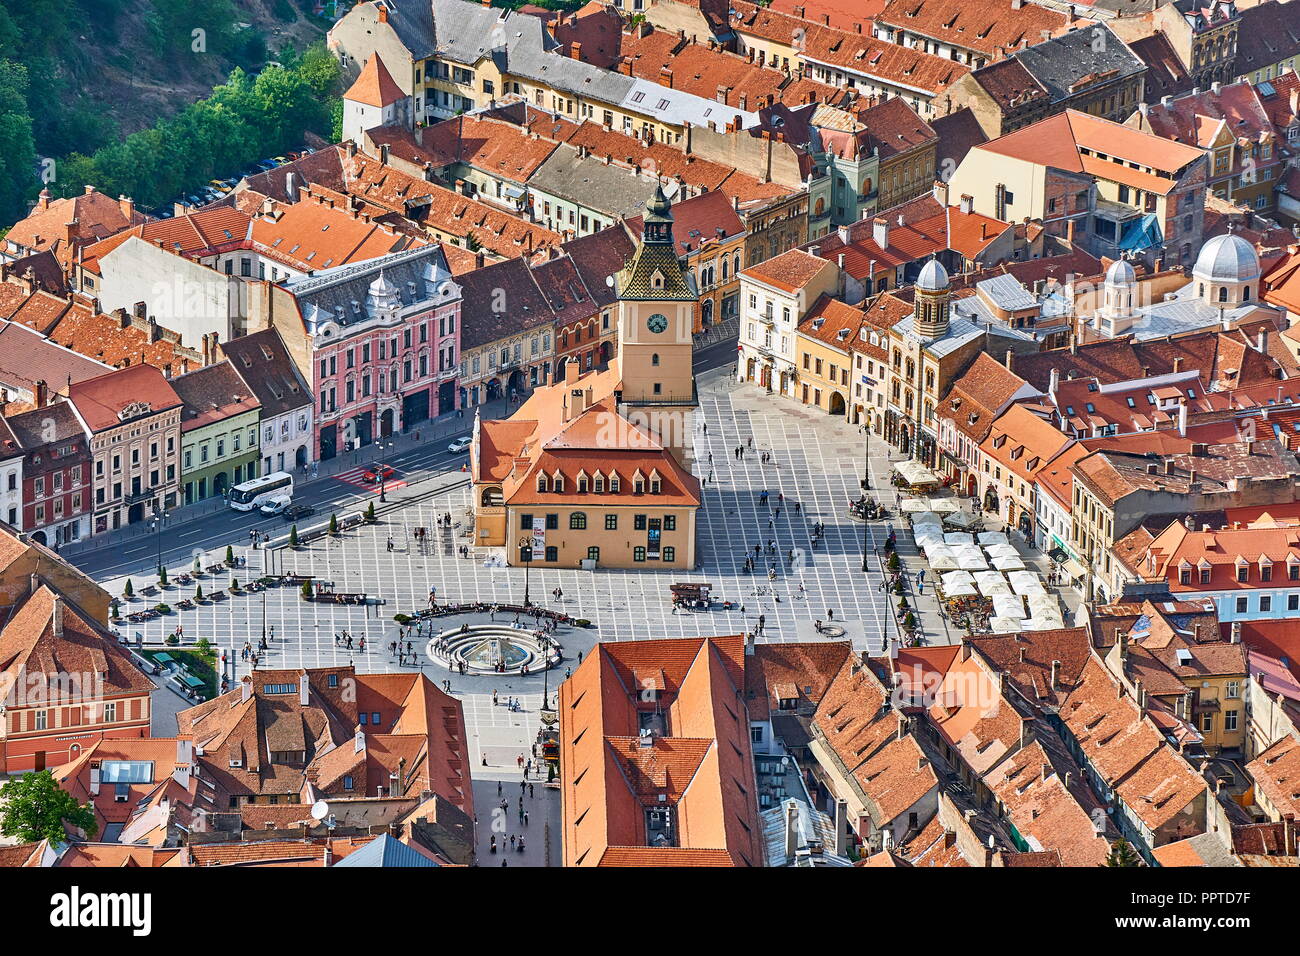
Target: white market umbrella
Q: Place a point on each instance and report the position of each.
(959, 537)
(944, 505)
(910, 505)
(943, 562)
(957, 579)
(1009, 605)
(960, 519)
(970, 559)
(991, 583)
(1005, 625)
(1001, 551)
(1008, 564)
(987, 538)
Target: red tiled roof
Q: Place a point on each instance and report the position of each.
(375, 86)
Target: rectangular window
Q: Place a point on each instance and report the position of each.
(638, 522)
(670, 554)
(670, 522)
(638, 554)
(611, 522)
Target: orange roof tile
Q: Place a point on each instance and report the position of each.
(375, 86)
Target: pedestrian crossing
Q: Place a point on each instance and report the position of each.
(356, 478)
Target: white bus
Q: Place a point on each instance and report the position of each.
(255, 493)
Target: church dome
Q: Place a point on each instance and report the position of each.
(1120, 273)
(1227, 258)
(933, 277)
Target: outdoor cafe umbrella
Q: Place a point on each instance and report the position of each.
(987, 538)
(909, 505)
(961, 519)
(1008, 564)
(944, 505)
(1026, 582)
(915, 473)
(1009, 605)
(992, 582)
(958, 537)
(1000, 550)
(958, 584)
(942, 560)
(1005, 625)
(969, 558)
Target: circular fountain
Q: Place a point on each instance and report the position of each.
(492, 649)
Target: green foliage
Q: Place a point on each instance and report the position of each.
(293, 536)
(370, 511)
(203, 646)
(1121, 854)
(334, 524)
(402, 618)
(909, 620)
(162, 574)
(129, 589)
(171, 639)
(230, 555)
(306, 590)
(33, 807)
(198, 593)
(17, 144)
(893, 562)
(163, 608)
(234, 584)
(243, 120)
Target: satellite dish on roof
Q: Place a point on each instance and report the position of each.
(609, 281)
(320, 810)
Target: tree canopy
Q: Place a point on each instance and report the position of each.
(34, 807)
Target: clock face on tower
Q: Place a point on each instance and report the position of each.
(657, 322)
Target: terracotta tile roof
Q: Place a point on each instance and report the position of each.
(1166, 75)
(1130, 755)
(1023, 442)
(1221, 551)
(698, 765)
(1199, 118)
(105, 338)
(832, 322)
(1276, 773)
(805, 668)
(1027, 660)
(22, 854)
(1048, 813)
(700, 221)
(374, 85)
(790, 271)
(682, 64)
(841, 14)
(194, 234)
(58, 224)
(98, 400)
(117, 855)
(435, 207)
(30, 645)
(275, 852)
(851, 51)
(935, 845)
(27, 358)
(495, 146)
(267, 369)
(1060, 141)
(212, 394)
(591, 33)
(989, 27)
(320, 231)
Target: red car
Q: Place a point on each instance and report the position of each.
(377, 473)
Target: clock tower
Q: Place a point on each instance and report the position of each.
(656, 308)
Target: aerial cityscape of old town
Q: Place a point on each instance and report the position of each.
(649, 433)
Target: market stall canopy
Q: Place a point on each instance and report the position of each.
(910, 505)
(1008, 564)
(959, 537)
(944, 505)
(960, 519)
(987, 538)
(915, 473)
(1026, 582)
(1001, 551)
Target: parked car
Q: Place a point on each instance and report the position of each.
(460, 445)
(377, 473)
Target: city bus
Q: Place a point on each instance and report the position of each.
(255, 493)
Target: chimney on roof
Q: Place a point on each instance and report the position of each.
(358, 740)
(304, 688)
(382, 12)
(383, 154)
(1008, 359)
(902, 727)
(666, 78)
(42, 393)
(1056, 675)
(1261, 341)
(184, 762)
(880, 232)
(245, 690)
(127, 205)
(1235, 633)
(841, 827)
(791, 830)
(56, 618)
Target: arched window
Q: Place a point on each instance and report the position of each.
(578, 521)
(1223, 294)
(541, 483)
(654, 359)
(1246, 294)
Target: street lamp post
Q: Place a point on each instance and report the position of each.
(158, 520)
(380, 446)
(866, 484)
(526, 555)
(545, 643)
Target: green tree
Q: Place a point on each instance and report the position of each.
(128, 590)
(306, 590)
(1122, 854)
(17, 143)
(162, 574)
(370, 511)
(198, 593)
(33, 807)
(334, 524)
(230, 555)
(293, 536)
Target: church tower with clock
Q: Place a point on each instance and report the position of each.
(656, 307)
